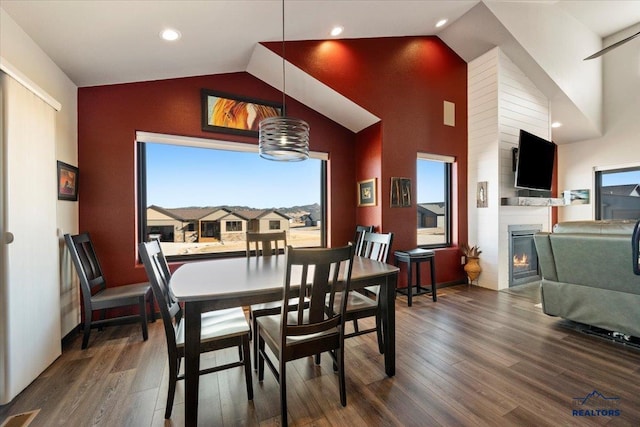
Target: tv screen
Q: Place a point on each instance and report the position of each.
(534, 166)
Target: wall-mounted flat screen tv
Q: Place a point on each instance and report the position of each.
(534, 163)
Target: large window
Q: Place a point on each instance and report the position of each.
(618, 193)
(434, 200)
(199, 197)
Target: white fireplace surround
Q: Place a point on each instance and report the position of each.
(501, 101)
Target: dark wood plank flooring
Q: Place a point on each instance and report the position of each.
(475, 358)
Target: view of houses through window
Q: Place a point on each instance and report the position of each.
(201, 200)
(433, 197)
(618, 194)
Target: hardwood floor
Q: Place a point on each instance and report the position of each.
(474, 358)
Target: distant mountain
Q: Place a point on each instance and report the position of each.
(296, 211)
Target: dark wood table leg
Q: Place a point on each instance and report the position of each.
(433, 278)
(388, 307)
(193, 324)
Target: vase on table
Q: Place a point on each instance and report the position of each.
(472, 268)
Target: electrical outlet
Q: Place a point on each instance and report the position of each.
(462, 260)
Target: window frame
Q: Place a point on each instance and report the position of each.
(233, 226)
(142, 138)
(448, 162)
(274, 224)
(598, 172)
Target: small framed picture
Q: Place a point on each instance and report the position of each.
(67, 182)
(481, 195)
(400, 192)
(576, 197)
(367, 192)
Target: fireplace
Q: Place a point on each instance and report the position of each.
(523, 258)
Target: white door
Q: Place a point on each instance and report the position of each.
(29, 295)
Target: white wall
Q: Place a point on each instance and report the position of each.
(557, 42)
(483, 160)
(501, 101)
(620, 144)
(21, 51)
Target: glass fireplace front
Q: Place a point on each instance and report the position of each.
(523, 258)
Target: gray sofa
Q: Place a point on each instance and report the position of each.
(588, 274)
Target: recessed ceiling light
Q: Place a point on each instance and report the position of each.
(170, 34)
(556, 124)
(337, 30)
(441, 22)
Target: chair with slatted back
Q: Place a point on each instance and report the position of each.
(220, 329)
(265, 244)
(359, 306)
(360, 230)
(304, 332)
(96, 296)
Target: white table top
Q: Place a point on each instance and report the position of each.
(232, 278)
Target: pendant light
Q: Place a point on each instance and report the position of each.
(283, 138)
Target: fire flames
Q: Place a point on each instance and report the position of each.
(521, 262)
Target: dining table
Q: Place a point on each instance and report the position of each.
(221, 283)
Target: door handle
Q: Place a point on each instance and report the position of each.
(8, 237)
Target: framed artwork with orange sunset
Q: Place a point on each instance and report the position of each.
(227, 113)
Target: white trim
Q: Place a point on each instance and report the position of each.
(614, 167)
(161, 138)
(436, 157)
(25, 81)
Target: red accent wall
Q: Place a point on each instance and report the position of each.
(404, 81)
(108, 118)
(368, 165)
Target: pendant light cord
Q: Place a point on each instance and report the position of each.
(283, 67)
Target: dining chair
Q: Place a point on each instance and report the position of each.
(96, 296)
(268, 247)
(304, 332)
(360, 230)
(375, 246)
(220, 329)
(265, 243)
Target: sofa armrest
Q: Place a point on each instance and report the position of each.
(545, 256)
(635, 250)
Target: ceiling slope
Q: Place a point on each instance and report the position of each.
(267, 66)
(547, 44)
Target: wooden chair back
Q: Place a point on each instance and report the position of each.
(376, 246)
(321, 270)
(159, 275)
(265, 244)
(360, 230)
(87, 265)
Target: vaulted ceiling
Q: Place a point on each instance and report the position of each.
(106, 42)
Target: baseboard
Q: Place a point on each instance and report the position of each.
(453, 283)
(66, 340)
